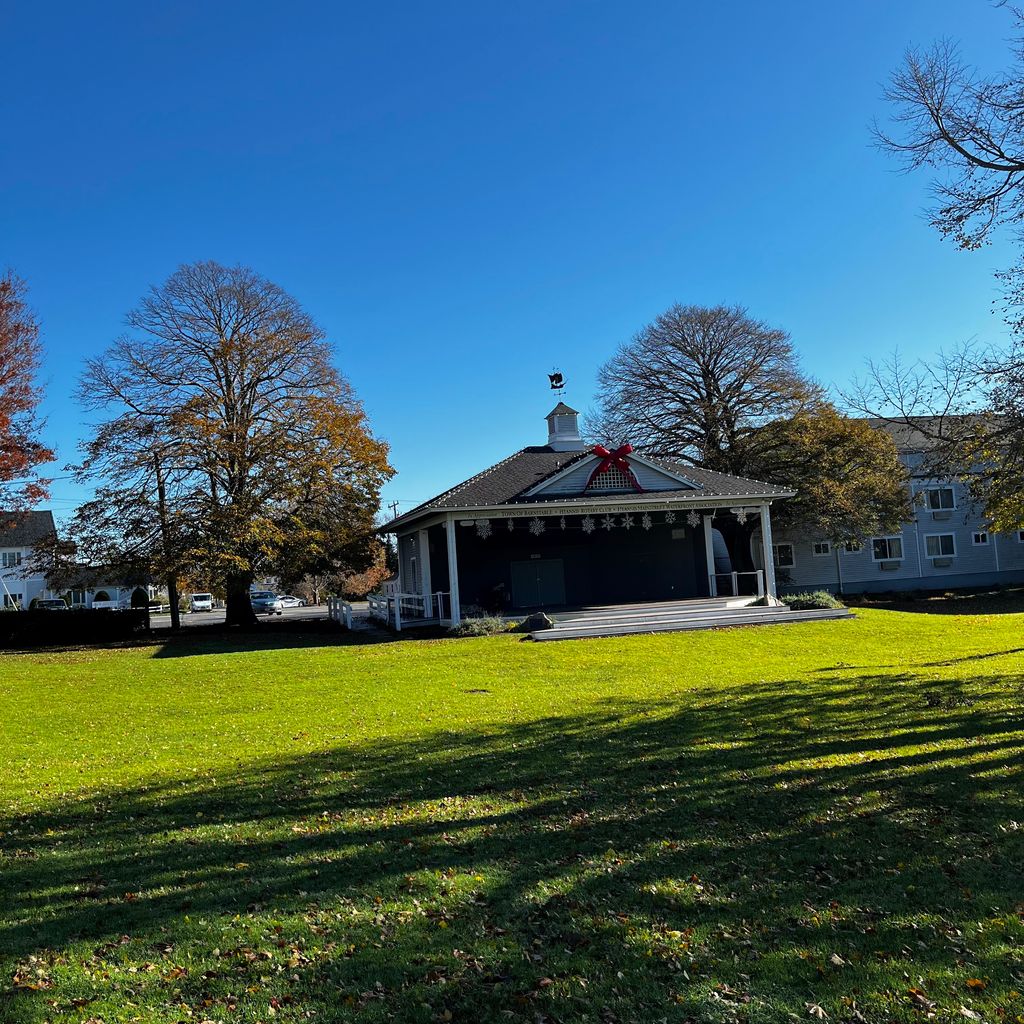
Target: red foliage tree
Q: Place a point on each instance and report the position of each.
(20, 360)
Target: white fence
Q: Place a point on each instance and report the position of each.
(733, 582)
(339, 611)
(399, 610)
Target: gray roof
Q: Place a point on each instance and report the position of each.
(25, 529)
(562, 410)
(507, 482)
(921, 434)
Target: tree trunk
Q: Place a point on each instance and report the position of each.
(238, 606)
(172, 597)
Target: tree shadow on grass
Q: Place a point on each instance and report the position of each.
(987, 601)
(702, 859)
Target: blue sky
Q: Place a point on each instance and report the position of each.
(467, 194)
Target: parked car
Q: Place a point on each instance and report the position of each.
(265, 602)
(50, 604)
(200, 603)
(291, 601)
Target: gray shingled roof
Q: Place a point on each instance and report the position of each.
(25, 529)
(507, 482)
(919, 434)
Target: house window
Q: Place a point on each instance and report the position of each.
(851, 547)
(12, 602)
(940, 545)
(10, 559)
(821, 548)
(980, 538)
(782, 555)
(1020, 536)
(77, 597)
(887, 549)
(939, 499)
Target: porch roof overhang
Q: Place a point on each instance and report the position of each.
(524, 485)
(568, 505)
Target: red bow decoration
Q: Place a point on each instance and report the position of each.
(617, 459)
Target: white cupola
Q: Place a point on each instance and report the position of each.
(564, 429)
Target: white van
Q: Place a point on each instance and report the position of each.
(200, 603)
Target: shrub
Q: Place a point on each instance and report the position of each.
(813, 599)
(483, 625)
(38, 628)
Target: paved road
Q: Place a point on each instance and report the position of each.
(214, 618)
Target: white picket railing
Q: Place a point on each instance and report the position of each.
(399, 610)
(734, 582)
(379, 607)
(340, 611)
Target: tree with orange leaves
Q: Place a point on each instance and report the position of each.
(20, 358)
(228, 438)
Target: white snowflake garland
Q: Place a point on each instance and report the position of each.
(627, 522)
(511, 525)
(561, 523)
(693, 519)
(646, 521)
(536, 526)
(670, 518)
(483, 528)
(588, 524)
(608, 523)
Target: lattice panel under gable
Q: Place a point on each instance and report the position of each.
(612, 479)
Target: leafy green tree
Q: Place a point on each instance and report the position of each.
(227, 439)
(847, 474)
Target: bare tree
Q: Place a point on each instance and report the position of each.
(950, 118)
(966, 406)
(698, 383)
(228, 431)
(721, 390)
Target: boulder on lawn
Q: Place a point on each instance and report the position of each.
(536, 621)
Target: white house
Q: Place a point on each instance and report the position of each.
(20, 534)
(22, 581)
(946, 544)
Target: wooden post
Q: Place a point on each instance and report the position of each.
(453, 572)
(709, 555)
(425, 573)
(767, 555)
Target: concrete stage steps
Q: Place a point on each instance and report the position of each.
(679, 616)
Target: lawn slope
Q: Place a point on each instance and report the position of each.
(748, 825)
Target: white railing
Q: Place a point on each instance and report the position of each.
(401, 609)
(339, 611)
(379, 607)
(734, 582)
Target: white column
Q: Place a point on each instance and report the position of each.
(424, 551)
(453, 571)
(709, 555)
(767, 554)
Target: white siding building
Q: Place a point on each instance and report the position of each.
(947, 544)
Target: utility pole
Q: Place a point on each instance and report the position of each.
(394, 509)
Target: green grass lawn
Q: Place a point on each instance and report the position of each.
(772, 824)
